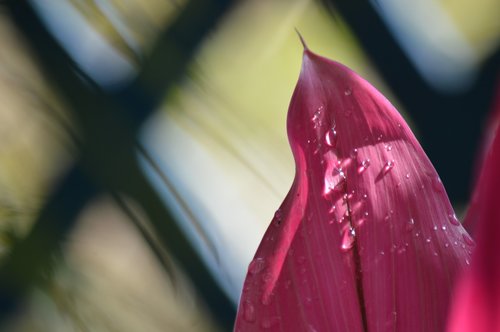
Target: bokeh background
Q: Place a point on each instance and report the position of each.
(143, 146)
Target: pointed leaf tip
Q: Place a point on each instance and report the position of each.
(366, 239)
(302, 40)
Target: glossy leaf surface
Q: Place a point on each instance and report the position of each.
(366, 238)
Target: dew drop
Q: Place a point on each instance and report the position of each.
(437, 185)
(249, 312)
(467, 262)
(443, 228)
(354, 153)
(257, 265)
(388, 166)
(363, 166)
(348, 239)
(407, 175)
(410, 225)
(428, 240)
(365, 196)
(446, 245)
(331, 137)
(453, 219)
(348, 92)
(435, 228)
(388, 147)
(468, 240)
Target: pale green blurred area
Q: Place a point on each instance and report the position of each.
(220, 138)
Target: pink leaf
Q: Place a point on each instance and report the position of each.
(366, 239)
(492, 122)
(477, 306)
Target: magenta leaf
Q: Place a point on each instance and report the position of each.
(366, 239)
(471, 219)
(477, 305)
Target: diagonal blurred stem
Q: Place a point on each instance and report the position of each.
(108, 125)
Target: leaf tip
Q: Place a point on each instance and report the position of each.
(302, 40)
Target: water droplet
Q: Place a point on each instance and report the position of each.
(354, 153)
(446, 245)
(382, 253)
(435, 228)
(316, 117)
(468, 240)
(249, 312)
(257, 265)
(348, 92)
(388, 147)
(428, 240)
(365, 196)
(348, 239)
(453, 219)
(363, 166)
(331, 137)
(410, 225)
(407, 175)
(437, 185)
(388, 166)
(467, 262)
(379, 138)
(443, 227)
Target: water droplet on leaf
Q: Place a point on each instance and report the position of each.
(348, 239)
(410, 225)
(331, 137)
(363, 166)
(388, 166)
(453, 219)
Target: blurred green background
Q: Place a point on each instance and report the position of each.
(143, 146)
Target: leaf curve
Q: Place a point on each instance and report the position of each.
(366, 239)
